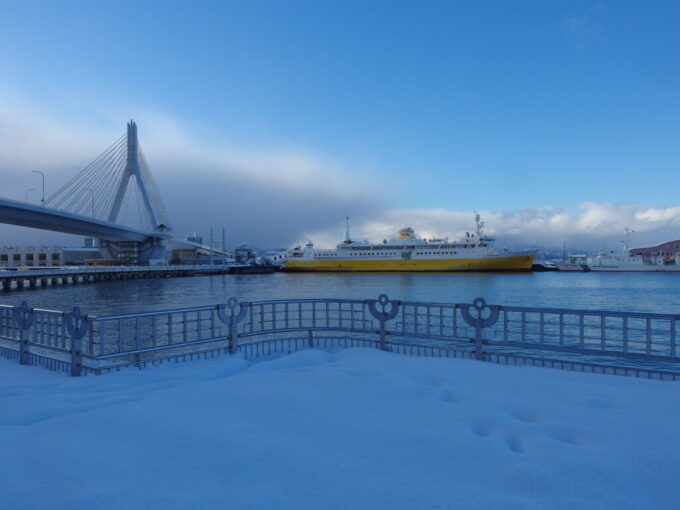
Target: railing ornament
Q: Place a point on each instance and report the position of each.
(479, 305)
(481, 321)
(23, 317)
(384, 302)
(231, 317)
(77, 326)
(388, 311)
(228, 314)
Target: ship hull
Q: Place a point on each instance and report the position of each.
(509, 263)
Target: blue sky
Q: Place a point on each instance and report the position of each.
(498, 106)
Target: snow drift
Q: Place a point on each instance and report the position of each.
(355, 429)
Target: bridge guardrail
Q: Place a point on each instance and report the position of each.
(640, 343)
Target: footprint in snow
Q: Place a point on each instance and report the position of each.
(49, 414)
(449, 396)
(563, 435)
(526, 415)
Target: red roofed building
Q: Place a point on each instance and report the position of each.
(669, 250)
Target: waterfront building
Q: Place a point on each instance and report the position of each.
(668, 250)
(29, 256)
(45, 256)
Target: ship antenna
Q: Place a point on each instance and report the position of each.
(628, 233)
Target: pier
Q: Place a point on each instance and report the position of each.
(41, 278)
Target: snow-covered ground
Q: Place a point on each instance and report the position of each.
(355, 429)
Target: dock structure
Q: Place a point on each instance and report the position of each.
(37, 278)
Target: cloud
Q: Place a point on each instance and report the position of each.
(276, 196)
(266, 195)
(585, 29)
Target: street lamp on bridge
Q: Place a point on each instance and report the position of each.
(27, 192)
(43, 185)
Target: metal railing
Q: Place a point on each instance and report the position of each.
(641, 344)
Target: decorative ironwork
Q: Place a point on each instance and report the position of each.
(24, 319)
(642, 344)
(228, 314)
(23, 316)
(479, 305)
(77, 326)
(487, 315)
(383, 315)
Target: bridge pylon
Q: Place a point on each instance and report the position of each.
(134, 170)
(102, 192)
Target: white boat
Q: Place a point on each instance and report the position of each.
(572, 263)
(628, 262)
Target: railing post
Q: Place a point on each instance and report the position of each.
(77, 325)
(383, 315)
(24, 318)
(228, 314)
(480, 322)
(310, 339)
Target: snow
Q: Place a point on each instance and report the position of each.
(357, 429)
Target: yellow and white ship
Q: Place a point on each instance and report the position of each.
(407, 252)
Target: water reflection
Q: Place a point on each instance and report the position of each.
(612, 291)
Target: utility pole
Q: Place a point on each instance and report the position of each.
(224, 249)
(211, 247)
(43, 185)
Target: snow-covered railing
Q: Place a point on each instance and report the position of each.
(642, 344)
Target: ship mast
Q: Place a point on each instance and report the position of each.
(628, 233)
(348, 238)
(480, 228)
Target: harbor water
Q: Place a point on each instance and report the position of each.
(643, 292)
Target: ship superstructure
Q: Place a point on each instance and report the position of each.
(408, 252)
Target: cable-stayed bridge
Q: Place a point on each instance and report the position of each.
(103, 189)
(97, 203)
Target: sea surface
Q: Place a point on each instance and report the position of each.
(659, 292)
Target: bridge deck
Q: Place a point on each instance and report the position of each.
(34, 216)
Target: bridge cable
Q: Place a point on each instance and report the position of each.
(85, 171)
